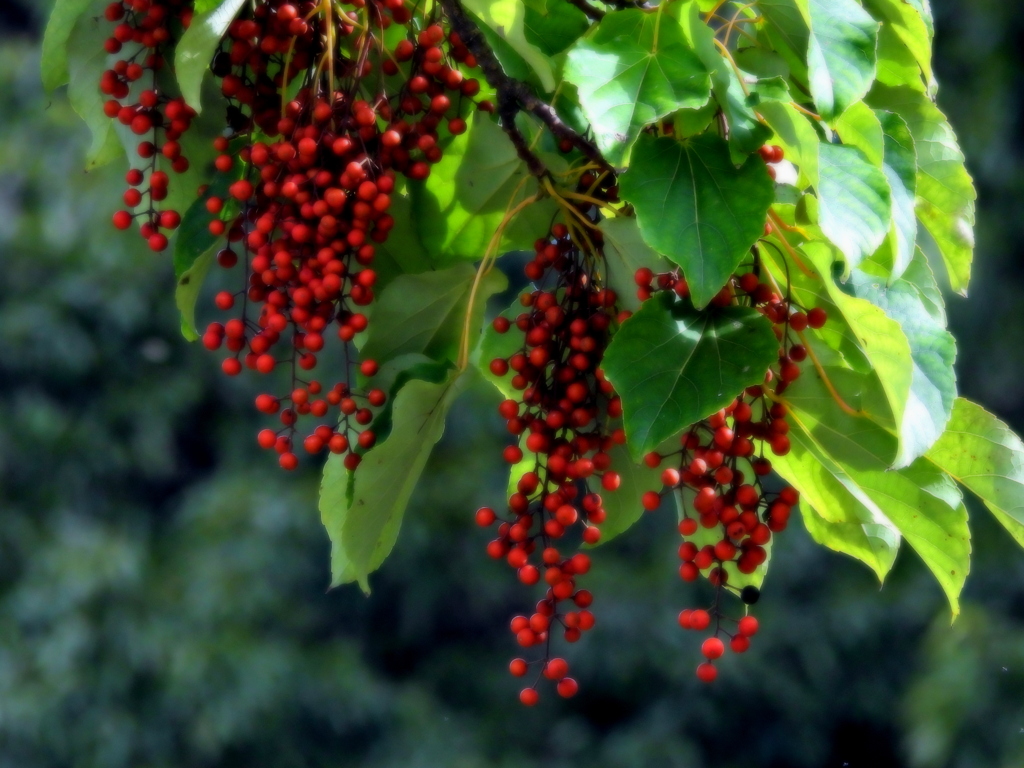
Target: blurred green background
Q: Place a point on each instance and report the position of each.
(162, 585)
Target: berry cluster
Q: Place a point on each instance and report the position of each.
(306, 178)
(142, 34)
(729, 515)
(562, 419)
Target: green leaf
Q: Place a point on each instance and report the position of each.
(900, 169)
(945, 191)
(87, 60)
(622, 506)
(932, 349)
(494, 345)
(787, 27)
(54, 56)
(858, 335)
(907, 25)
(840, 55)
(186, 292)
(859, 127)
(506, 18)
(194, 52)
(854, 441)
(836, 512)
(854, 201)
(673, 366)
(363, 530)
(866, 511)
(987, 458)
(635, 68)
(402, 253)
(426, 313)
(624, 253)
(553, 25)
(695, 207)
(797, 137)
(746, 132)
(896, 64)
(460, 206)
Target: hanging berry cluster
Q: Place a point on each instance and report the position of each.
(563, 420)
(729, 515)
(309, 180)
(142, 35)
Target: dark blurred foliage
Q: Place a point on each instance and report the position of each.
(162, 585)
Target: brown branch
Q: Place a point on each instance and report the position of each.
(514, 97)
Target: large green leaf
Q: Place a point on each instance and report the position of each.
(624, 253)
(835, 510)
(506, 19)
(863, 513)
(840, 54)
(553, 25)
(945, 191)
(86, 61)
(673, 366)
(363, 525)
(402, 253)
(194, 52)
(788, 28)
(986, 457)
(426, 313)
(696, 207)
(932, 349)
(634, 69)
(53, 59)
(908, 26)
(460, 206)
(854, 201)
(857, 440)
(858, 336)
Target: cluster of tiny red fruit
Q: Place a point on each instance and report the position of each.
(143, 31)
(720, 465)
(562, 418)
(305, 182)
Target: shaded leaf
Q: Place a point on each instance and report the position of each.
(672, 365)
(426, 313)
(364, 529)
(696, 208)
(194, 52)
(53, 59)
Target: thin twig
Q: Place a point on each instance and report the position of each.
(514, 96)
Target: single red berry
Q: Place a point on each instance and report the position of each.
(529, 696)
(567, 688)
(707, 672)
(712, 648)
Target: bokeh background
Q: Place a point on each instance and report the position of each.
(163, 593)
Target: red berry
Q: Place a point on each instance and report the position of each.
(712, 648)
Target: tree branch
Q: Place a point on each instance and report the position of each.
(514, 96)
